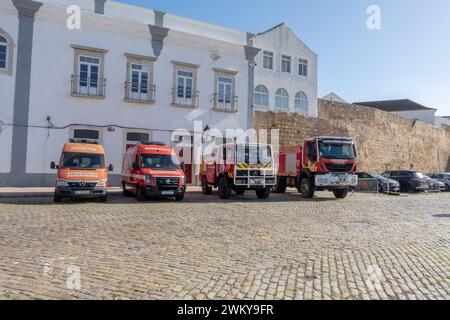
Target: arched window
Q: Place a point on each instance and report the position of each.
(261, 97)
(301, 103)
(281, 100)
(6, 52)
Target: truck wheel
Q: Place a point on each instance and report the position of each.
(179, 197)
(263, 194)
(104, 198)
(140, 194)
(206, 189)
(306, 188)
(240, 191)
(125, 192)
(281, 186)
(224, 189)
(341, 193)
(56, 199)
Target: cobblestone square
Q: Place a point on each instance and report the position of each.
(363, 247)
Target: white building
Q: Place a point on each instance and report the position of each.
(286, 73)
(404, 108)
(127, 75)
(442, 122)
(334, 97)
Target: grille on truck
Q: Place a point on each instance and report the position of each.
(82, 184)
(339, 167)
(165, 184)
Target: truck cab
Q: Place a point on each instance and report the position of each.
(152, 169)
(239, 167)
(82, 172)
(322, 163)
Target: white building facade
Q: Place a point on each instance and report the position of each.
(128, 74)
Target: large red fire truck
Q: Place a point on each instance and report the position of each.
(239, 167)
(322, 163)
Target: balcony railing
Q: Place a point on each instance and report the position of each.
(224, 103)
(182, 99)
(138, 93)
(88, 87)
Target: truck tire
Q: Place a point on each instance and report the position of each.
(179, 197)
(206, 189)
(306, 189)
(140, 194)
(125, 192)
(264, 193)
(224, 188)
(341, 193)
(56, 199)
(281, 186)
(240, 191)
(104, 198)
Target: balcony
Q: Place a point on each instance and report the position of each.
(224, 104)
(185, 99)
(88, 87)
(139, 93)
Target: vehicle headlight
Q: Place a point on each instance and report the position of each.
(183, 180)
(102, 183)
(269, 173)
(148, 179)
(61, 183)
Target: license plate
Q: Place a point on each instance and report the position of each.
(82, 192)
(167, 193)
(257, 181)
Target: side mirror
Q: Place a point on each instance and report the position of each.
(53, 165)
(135, 166)
(111, 168)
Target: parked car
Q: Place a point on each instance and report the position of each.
(384, 184)
(410, 181)
(442, 177)
(435, 185)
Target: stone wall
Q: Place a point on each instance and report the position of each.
(385, 141)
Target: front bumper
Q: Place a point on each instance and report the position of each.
(71, 192)
(255, 182)
(336, 180)
(161, 192)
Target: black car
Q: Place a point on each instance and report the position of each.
(384, 184)
(410, 181)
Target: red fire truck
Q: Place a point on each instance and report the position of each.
(239, 167)
(322, 163)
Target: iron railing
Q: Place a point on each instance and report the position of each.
(86, 86)
(140, 93)
(223, 103)
(181, 99)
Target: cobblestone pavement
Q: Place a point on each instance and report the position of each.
(363, 247)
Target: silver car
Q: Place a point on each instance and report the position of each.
(442, 177)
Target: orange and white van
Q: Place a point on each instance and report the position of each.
(82, 172)
(152, 169)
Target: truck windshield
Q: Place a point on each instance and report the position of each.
(72, 160)
(254, 154)
(336, 150)
(159, 161)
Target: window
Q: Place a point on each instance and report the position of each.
(185, 79)
(3, 52)
(286, 63)
(281, 100)
(6, 53)
(133, 137)
(261, 97)
(87, 80)
(268, 60)
(303, 67)
(224, 97)
(139, 85)
(301, 103)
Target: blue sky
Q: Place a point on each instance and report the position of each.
(408, 58)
